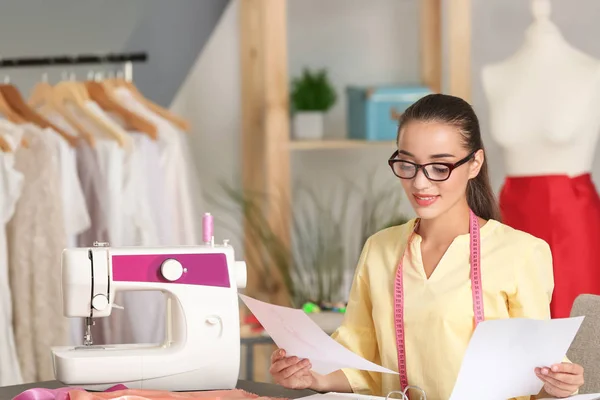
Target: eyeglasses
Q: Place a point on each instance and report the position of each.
(437, 172)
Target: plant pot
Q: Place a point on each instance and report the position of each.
(308, 125)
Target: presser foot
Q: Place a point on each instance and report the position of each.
(87, 338)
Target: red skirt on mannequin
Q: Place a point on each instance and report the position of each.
(565, 212)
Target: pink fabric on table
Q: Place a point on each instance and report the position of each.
(140, 394)
(55, 394)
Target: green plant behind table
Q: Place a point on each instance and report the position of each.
(312, 91)
(315, 266)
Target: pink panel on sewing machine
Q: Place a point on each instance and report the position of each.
(207, 269)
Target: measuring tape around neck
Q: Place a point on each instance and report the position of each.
(475, 248)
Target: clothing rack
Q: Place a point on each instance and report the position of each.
(82, 59)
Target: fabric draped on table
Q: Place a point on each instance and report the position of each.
(120, 392)
(56, 394)
(565, 212)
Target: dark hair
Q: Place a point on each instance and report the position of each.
(457, 112)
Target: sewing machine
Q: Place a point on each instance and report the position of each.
(201, 350)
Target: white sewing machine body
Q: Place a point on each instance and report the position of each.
(201, 350)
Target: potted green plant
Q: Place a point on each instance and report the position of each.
(312, 96)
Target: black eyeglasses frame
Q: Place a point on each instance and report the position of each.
(451, 166)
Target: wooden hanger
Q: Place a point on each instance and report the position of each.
(166, 114)
(15, 100)
(4, 146)
(100, 95)
(75, 93)
(41, 96)
(9, 113)
(12, 116)
(42, 99)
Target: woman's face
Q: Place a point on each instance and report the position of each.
(433, 142)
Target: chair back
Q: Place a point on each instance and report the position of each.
(585, 349)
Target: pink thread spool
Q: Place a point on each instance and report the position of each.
(207, 228)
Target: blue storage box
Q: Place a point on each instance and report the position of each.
(373, 112)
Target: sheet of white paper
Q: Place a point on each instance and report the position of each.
(292, 330)
(502, 355)
(595, 396)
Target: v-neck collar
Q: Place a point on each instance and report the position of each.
(416, 256)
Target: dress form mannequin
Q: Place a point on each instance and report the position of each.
(545, 114)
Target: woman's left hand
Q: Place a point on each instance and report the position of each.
(561, 380)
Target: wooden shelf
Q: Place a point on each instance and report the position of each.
(265, 108)
(338, 144)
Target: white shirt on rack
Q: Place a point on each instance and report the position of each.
(141, 228)
(76, 216)
(184, 201)
(111, 159)
(11, 182)
(151, 183)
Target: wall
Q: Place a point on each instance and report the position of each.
(364, 43)
(172, 33)
(498, 27)
(360, 43)
(209, 98)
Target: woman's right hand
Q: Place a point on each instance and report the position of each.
(291, 372)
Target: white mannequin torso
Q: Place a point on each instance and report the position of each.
(545, 105)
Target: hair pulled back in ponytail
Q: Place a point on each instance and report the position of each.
(455, 111)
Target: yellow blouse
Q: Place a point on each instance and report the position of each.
(517, 281)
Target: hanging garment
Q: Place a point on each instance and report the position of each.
(76, 215)
(36, 238)
(94, 188)
(11, 182)
(92, 183)
(565, 212)
(75, 211)
(185, 204)
(152, 185)
(142, 229)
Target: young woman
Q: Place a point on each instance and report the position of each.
(412, 288)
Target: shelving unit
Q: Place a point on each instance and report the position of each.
(266, 143)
